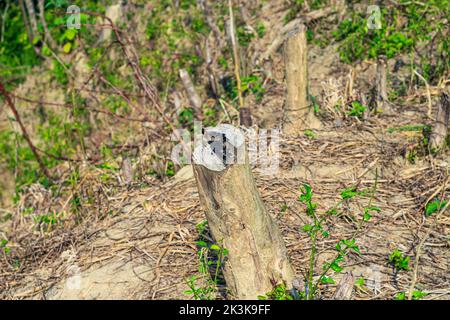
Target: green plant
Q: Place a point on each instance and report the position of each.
(316, 229)
(170, 169)
(356, 109)
(398, 260)
(250, 84)
(310, 134)
(315, 105)
(403, 28)
(360, 282)
(3, 246)
(211, 257)
(416, 295)
(279, 292)
(434, 206)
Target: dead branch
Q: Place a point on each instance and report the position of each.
(48, 37)
(25, 134)
(193, 96)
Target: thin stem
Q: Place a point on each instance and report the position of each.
(235, 55)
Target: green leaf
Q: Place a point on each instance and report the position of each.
(417, 294)
(335, 267)
(67, 47)
(215, 247)
(327, 280)
(360, 282)
(400, 296)
(434, 207)
(307, 228)
(349, 193)
(35, 40)
(202, 244)
(70, 34)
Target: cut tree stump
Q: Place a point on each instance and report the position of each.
(297, 115)
(257, 259)
(382, 100)
(440, 128)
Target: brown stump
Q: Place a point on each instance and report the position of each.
(238, 220)
(440, 129)
(297, 116)
(382, 99)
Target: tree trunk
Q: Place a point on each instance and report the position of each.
(238, 220)
(297, 117)
(440, 129)
(381, 91)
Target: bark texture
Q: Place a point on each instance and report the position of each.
(297, 116)
(239, 221)
(440, 129)
(381, 81)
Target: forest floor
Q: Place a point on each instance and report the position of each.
(139, 242)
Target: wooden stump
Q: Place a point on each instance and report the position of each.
(382, 100)
(238, 220)
(297, 116)
(440, 128)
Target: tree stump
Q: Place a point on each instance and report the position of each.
(238, 220)
(382, 100)
(297, 116)
(440, 129)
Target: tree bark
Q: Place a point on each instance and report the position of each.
(245, 118)
(297, 117)
(381, 91)
(238, 220)
(344, 290)
(440, 129)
